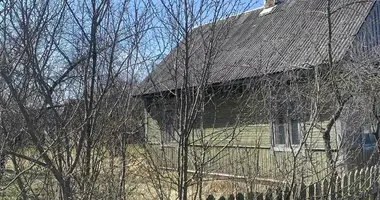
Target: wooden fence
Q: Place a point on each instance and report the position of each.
(249, 161)
(359, 184)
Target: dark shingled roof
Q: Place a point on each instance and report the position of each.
(294, 35)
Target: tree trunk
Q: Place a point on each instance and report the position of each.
(327, 133)
(123, 167)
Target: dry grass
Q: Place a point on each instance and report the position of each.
(142, 182)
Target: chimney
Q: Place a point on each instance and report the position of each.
(269, 3)
(269, 6)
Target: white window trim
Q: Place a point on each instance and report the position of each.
(284, 147)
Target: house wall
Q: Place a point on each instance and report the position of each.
(366, 43)
(358, 112)
(250, 152)
(243, 126)
(227, 117)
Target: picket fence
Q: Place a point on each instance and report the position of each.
(360, 184)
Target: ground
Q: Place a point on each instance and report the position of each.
(141, 181)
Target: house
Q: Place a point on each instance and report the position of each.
(262, 114)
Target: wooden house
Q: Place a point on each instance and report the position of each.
(257, 112)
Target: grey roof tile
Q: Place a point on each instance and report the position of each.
(294, 35)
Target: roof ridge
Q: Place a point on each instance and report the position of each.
(227, 17)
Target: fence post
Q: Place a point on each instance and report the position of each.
(239, 196)
(333, 186)
(374, 174)
(250, 196)
(287, 193)
(311, 191)
(362, 184)
(294, 191)
(338, 188)
(260, 196)
(356, 183)
(318, 190)
(303, 191)
(279, 193)
(345, 194)
(325, 191)
(210, 197)
(371, 182)
(367, 190)
(269, 195)
(351, 185)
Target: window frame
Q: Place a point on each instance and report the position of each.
(169, 137)
(284, 146)
(287, 123)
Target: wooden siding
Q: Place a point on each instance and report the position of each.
(368, 37)
(250, 152)
(224, 121)
(153, 132)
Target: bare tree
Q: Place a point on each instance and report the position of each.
(180, 103)
(59, 61)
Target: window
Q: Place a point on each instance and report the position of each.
(367, 134)
(168, 127)
(286, 127)
(366, 128)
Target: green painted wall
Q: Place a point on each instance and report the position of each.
(250, 152)
(226, 120)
